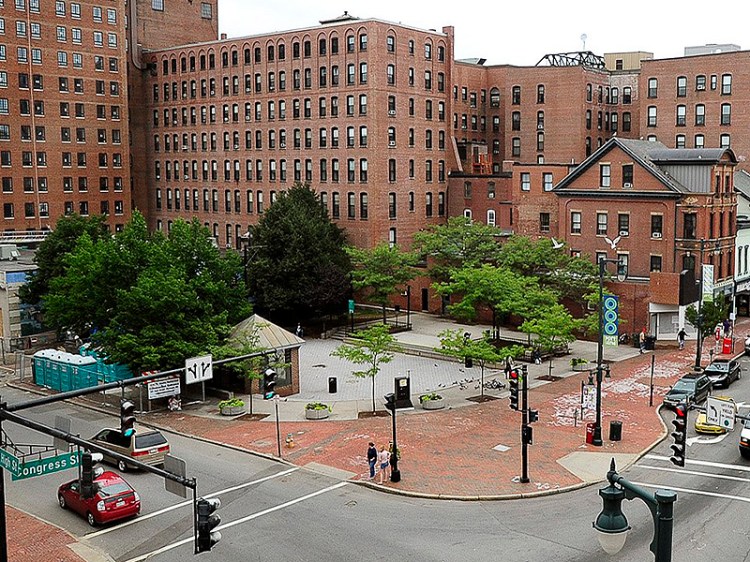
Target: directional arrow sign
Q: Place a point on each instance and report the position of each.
(198, 369)
(713, 409)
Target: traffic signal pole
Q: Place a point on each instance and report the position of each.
(525, 428)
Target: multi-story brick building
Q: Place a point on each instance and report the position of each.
(64, 115)
(659, 211)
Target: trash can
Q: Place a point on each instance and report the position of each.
(332, 384)
(590, 432)
(726, 345)
(651, 342)
(615, 431)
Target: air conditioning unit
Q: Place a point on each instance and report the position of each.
(540, 126)
(700, 87)
(656, 235)
(236, 146)
(627, 184)
(187, 177)
(184, 147)
(391, 143)
(282, 145)
(391, 112)
(226, 119)
(624, 233)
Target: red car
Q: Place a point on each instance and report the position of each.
(113, 499)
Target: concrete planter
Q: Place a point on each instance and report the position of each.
(232, 410)
(317, 414)
(581, 366)
(438, 404)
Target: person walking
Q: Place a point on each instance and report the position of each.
(681, 338)
(372, 458)
(642, 340)
(384, 460)
(299, 332)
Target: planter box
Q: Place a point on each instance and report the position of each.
(434, 404)
(316, 414)
(581, 367)
(232, 410)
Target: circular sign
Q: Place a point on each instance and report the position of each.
(610, 316)
(610, 329)
(610, 303)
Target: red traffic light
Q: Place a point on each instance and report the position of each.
(514, 374)
(680, 411)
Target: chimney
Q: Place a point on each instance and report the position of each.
(223, 36)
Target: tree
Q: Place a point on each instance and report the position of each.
(554, 326)
(151, 300)
(50, 256)
(457, 244)
(381, 270)
(300, 269)
(372, 347)
(456, 344)
(712, 313)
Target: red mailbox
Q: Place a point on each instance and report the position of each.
(726, 346)
(590, 433)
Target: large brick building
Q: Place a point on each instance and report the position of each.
(109, 107)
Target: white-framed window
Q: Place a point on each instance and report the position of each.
(157, 5)
(206, 10)
(605, 175)
(525, 181)
(575, 222)
(547, 181)
(601, 223)
(491, 217)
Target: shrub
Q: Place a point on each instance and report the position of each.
(317, 406)
(232, 403)
(429, 396)
(578, 361)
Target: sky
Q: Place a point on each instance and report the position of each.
(513, 32)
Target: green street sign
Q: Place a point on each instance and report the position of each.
(47, 465)
(10, 462)
(351, 306)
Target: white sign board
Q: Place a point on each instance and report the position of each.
(198, 369)
(589, 397)
(163, 388)
(708, 282)
(720, 412)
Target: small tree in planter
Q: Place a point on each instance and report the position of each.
(432, 401)
(232, 407)
(317, 410)
(373, 347)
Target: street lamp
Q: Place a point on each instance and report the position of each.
(621, 274)
(390, 404)
(699, 339)
(612, 525)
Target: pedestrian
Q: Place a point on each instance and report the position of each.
(372, 458)
(384, 460)
(298, 332)
(642, 340)
(537, 355)
(508, 366)
(727, 325)
(681, 338)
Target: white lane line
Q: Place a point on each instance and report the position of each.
(743, 468)
(696, 492)
(143, 518)
(696, 473)
(239, 521)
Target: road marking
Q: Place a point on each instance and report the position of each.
(743, 468)
(706, 440)
(239, 521)
(187, 503)
(696, 473)
(696, 492)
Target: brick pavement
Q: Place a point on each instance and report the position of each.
(450, 452)
(33, 540)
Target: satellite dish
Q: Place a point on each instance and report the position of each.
(583, 39)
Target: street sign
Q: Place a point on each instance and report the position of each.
(351, 306)
(163, 388)
(720, 412)
(10, 462)
(62, 423)
(198, 369)
(589, 397)
(610, 319)
(48, 465)
(175, 466)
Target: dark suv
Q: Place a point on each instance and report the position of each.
(692, 388)
(723, 372)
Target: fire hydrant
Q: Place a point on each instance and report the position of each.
(289, 440)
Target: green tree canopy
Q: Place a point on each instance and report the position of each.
(49, 257)
(152, 300)
(459, 243)
(553, 326)
(712, 313)
(372, 347)
(298, 267)
(380, 271)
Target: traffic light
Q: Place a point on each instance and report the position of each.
(533, 415)
(468, 362)
(513, 382)
(527, 435)
(679, 435)
(127, 418)
(269, 384)
(89, 473)
(207, 521)
(390, 401)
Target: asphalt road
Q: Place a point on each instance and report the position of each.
(274, 512)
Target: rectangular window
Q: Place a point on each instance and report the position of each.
(623, 224)
(575, 222)
(657, 225)
(655, 263)
(690, 224)
(525, 181)
(547, 181)
(601, 224)
(627, 175)
(605, 175)
(544, 222)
